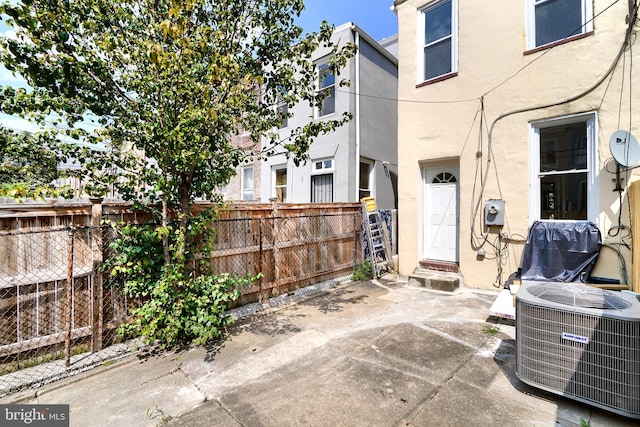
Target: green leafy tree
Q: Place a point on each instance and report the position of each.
(29, 166)
(167, 83)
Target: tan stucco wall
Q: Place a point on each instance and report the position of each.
(491, 54)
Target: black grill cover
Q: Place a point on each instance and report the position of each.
(560, 251)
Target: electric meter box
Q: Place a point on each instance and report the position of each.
(494, 212)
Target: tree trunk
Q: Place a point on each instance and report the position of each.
(165, 236)
(185, 216)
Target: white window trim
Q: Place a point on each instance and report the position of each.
(284, 105)
(315, 170)
(372, 176)
(318, 108)
(420, 71)
(530, 17)
(592, 164)
(274, 180)
(242, 182)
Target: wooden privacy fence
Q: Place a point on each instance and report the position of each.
(290, 251)
(56, 302)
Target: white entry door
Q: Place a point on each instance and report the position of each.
(440, 241)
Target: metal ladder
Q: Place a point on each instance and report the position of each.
(376, 231)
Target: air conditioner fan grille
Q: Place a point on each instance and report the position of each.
(579, 296)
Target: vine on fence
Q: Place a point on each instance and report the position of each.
(180, 303)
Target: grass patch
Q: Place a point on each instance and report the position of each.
(491, 330)
(364, 271)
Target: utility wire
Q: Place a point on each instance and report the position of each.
(550, 105)
(551, 47)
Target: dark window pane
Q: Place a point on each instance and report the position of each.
(328, 79)
(563, 148)
(444, 178)
(437, 22)
(564, 196)
(557, 19)
(437, 59)
(364, 176)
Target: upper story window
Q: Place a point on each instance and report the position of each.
(550, 21)
(327, 87)
(437, 34)
(283, 111)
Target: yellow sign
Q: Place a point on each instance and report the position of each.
(370, 203)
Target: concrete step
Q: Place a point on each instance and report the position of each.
(437, 280)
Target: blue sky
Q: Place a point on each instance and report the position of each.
(373, 16)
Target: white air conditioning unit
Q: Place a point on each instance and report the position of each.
(580, 342)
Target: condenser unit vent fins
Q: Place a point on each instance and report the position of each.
(578, 296)
(566, 346)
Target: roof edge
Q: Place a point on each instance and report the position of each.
(374, 43)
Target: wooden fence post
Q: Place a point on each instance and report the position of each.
(260, 260)
(98, 297)
(276, 255)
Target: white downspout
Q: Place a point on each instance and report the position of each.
(357, 114)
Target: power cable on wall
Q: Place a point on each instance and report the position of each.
(483, 237)
(546, 106)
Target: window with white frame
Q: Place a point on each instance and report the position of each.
(326, 87)
(365, 181)
(247, 183)
(283, 111)
(437, 34)
(564, 169)
(322, 165)
(550, 21)
(322, 181)
(280, 183)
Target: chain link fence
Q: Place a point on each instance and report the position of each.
(59, 312)
(56, 305)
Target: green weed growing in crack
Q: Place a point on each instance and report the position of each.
(363, 272)
(491, 330)
(155, 411)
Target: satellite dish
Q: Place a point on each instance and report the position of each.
(624, 148)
